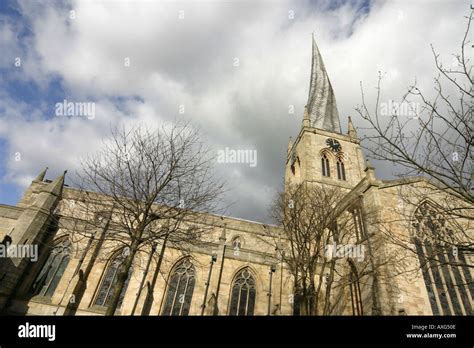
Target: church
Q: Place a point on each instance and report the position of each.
(237, 270)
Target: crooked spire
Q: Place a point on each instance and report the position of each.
(322, 108)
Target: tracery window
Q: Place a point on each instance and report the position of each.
(325, 166)
(449, 286)
(242, 300)
(180, 289)
(109, 281)
(52, 270)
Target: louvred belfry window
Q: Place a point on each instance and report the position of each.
(325, 166)
(341, 171)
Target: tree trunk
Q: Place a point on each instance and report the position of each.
(121, 278)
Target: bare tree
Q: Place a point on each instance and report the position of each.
(437, 140)
(149, 186)
(316, 222)
(433, 142)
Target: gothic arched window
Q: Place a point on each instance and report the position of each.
(180, 289)
(325, 166)
(109, 281)
(447, 278)
(242, 299)
(341, 172)
(50, 274)
(354, 286)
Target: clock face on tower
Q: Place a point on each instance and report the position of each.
(334, 145)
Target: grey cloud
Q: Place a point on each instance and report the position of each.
(190, 62)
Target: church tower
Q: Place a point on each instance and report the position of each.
(321, 154)
(33, 229)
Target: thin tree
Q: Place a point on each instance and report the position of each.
(152, 184)
(436, 140)
(315, 221)
(433, 142)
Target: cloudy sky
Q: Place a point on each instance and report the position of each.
(232, 68)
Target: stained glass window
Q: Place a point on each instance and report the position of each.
(180, 289)
(242, 301)
(109, 281)
(447, 278)
(50, 274)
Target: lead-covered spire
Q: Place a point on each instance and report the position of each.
(322, 108)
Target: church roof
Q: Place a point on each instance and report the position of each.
(321, 106)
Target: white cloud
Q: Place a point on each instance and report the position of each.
(190, 62)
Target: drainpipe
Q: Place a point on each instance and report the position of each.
(222, 239)
(203, 306)
(272, 270)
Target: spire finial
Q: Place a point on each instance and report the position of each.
(370, 171)
(41, 175)
(351, 131)
(56, 187)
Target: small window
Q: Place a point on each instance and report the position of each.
(341, 172)
(237, 243)
(325, 166)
